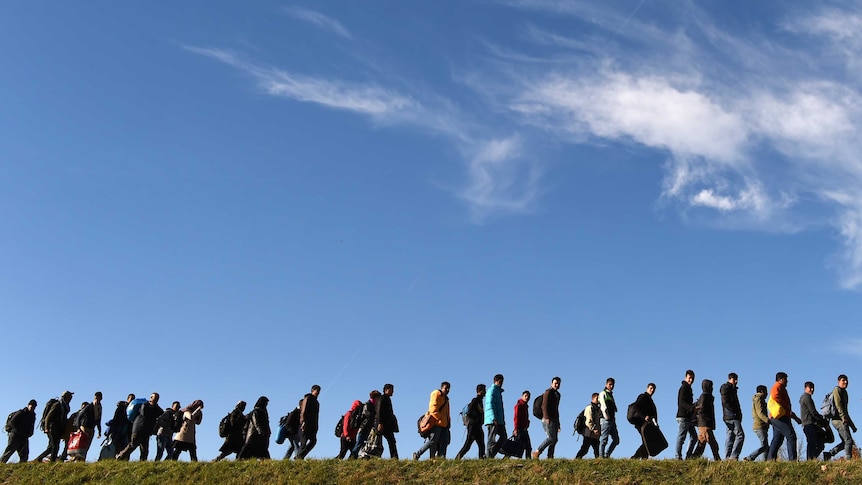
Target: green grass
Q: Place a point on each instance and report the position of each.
(515, 472)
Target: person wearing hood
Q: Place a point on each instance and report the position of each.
(348, 433)
(257, 432)
(235, 439)
(705, 412)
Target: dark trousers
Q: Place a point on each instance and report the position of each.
(815, 446)
(138, 439)
(585, 447)
(306, 443)
(54, 434)
(181, 446)
(17, 444)
(390, 443)
(474, 433)
(496, 437)
(346, 447)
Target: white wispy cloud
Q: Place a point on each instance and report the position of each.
(318, 20)
(851, 346)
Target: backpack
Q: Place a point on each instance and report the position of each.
(632, 415)
(164, 421)
(828, 408)
(537, 406)
(134, 409)
(10, 421)
(357, 416)
(292, 421)
(224, 426)
(339, 426)
(464, 418)
(581, 423)
(176, 421)
(43, 425)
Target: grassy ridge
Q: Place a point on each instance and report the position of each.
(514, 472)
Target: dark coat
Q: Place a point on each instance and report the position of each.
(309, 412)
(731, 410)
(685, 402)
(706, 406)
(145, 421)
(645, 406)
(23, 423)
(385, 414)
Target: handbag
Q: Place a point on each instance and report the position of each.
(426, 422)
(78, 441)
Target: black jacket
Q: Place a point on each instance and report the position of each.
(23, 423)
(685, 402)
(385, 414)
(645, 406)
(731, 410)
(309, 412)
(145, 421)
(87, 417)
(476, 411)
(706, 406)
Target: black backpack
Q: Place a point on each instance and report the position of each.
(164, 421)
(339, 426)
(581, 423)
(292, 421)
(633, 415)
(10, 421)
(537, 406)
(48, 406)
(224, 426)
(357, 417)
(177, 421)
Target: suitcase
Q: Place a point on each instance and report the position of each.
(653, 438)
(512, 447)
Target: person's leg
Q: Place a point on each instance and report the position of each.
(391, 443)
(692, 433)
(713, 445)
(430, 444)
(682, 429)
(583, 449)
(193, 452)
(554, 429)
(615, 439)
(739, 439)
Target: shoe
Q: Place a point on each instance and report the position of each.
(415, 456)
(827, 456)
(746, 459)
(535, 455)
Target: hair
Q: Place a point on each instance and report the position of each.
(780, 375)
(809, 384)
(689, 372)
(652, 384)
(195, 405)
(498, 378)
(373, 394)
(445, 384)
(480, 388)
(98, 394)
(527, 393)
(175, 404)
(156, 394)
(130, 397)
(387, 387)
(33, 403)
(761, 389)
(556, 379)
(732, 375)
(315, 388)
(610, 380)
(595, 395)
(842, 377)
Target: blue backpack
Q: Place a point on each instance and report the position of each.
(828, 408)
(134, 409)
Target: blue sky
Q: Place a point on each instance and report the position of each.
(224, 200)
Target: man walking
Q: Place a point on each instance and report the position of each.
(54, 425)
(732, 415)
(309, 415)
(609, 419)
(20, 430)
(685, 416)
(811, 422)
(842, 422)
(438, 438)
(550, 418)
(644, 412)
(495, 418)
(522, 423)
(592, 429)
(780, 414)
(385, 419)
(761, 422)
(475, 415)
(142, 428)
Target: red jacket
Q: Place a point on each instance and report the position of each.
(522, 414)
(350, 433)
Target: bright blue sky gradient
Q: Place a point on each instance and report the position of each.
(224, 200)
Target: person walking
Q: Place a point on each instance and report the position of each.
(438, 408)
(20, 429)
(761, 423)
(550, 419)
(609, 419)
(522, 423)
(185, 437)
(257, 432)
(592, 429)
(475, 417)
(843, 423)
(685, 417)
(495, 417)
(644, 413)
(705, 412)
(235, 439)
(309, 416)
(732, 416)
(386, 421)
(780, 414)
(812, 422)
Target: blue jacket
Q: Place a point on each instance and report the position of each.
(494, 406)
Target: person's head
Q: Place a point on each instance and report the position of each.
(445, 386)
(761, 389)
(373, 395)
(555, 383)
(733, 378)
(498, 379)
(130, 398)
(610, 383)
(175, 405)
(650, 388)
(67, 396)
(32, 405)
(525, 396)
(706, 386)
(194, 406)
(388, 389)
(480, 389)
(240, 406)
(97, 398)
(84, 404)
(842, 381)
(154, 398)
(261, 403)
(315, 390)
(781, 378)
(689, 376)
(594, 398)
(809, 388)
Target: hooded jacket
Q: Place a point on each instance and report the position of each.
(706, 406)
(494, 406)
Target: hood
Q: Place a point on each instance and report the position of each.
(706, 385)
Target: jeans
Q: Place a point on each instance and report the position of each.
(609, 430)
(846, 439)
(551, 430)
(432, 442)
(164, 445)
(812, 451)
(782, 429)
(763, 437)
(733, 441)
(496, 437)
(685, 426)
(474, 433)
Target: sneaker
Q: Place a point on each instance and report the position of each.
(415, 456)
(746, 459)
(535, 455)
